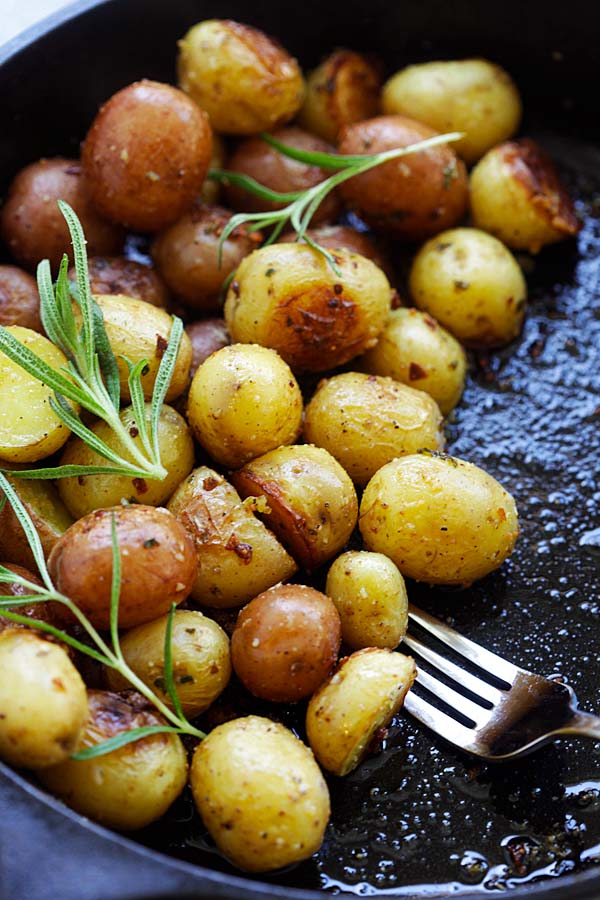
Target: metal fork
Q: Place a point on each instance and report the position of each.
(493, 708)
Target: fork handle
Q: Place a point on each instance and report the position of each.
(584, 724)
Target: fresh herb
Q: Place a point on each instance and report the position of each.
(91, 377)
(109, 652)
(300, 206)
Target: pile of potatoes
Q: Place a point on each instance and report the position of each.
(270, 471)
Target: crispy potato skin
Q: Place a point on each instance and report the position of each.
(244, 80)
(260, 794)
(146, 155)
(412, 197)
(287, 297)
(472, 285)
(48, 513)
(441, 520)
(414, 349)
(118, 275)
(158, 564)
(361, 697)
(286, 643)
(32, 225)
(474, 96)
(517, 195)
(127, 788)
(19, 299)
(207, 336)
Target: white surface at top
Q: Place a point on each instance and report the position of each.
(17, 15)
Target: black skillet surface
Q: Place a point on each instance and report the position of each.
(418, 818)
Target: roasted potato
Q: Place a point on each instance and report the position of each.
(43, 702)
(286, 643)
(412, 197)
(370, 596)
(244, 401)
(211, 190)
(158, 564)
(244, 80)
(207, 336)
(414, 349)
(517, 195)
(43, 610)
(441, 520)
(19, 299)
(474, 96)
(288, 297)
(47, 512)
(260, 794)
(343, 237)
(118, 275)
(361, 697)
(238, 557)
(127, 788)
(146, 155)
(367, 420)
(311, 502)
(472, 285)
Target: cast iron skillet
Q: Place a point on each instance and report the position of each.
(418, 818)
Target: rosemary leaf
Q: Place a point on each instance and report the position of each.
(115, 588)
(138, 403)
(75, 471)
(83, 281)
(8, 601)
(163, 380)
(168, 665)
(74, 423)
(255, 187)
(106, 357)
(62, 636)
(121, 740)
(64, 304)
(315, 157)
(51, 320)
(28, 527)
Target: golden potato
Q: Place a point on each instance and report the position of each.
(441, 520)
(286, 643)
(29, 429)
(414, 196)
(344, 89)
(146, 155)
(414, 349)
(19, 299)
(84, 493)
(48, 513)
(343, 237)
(244, 401)
(370, 596)
(361, 697)
(118, 275)
(473, 286)
(517, 195)
(128, 788)
(287, 297)
(474, 96)
(238, 557)
(158, 564)
(200, 654)
(367, 420)
(311, 502)
(43, 703)
(244, 80)
(207, 336)
(260, 794)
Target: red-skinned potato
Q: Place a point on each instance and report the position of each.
(47, 512)
(118, 275)
(46, 611)
(207, 336)
(19, 299)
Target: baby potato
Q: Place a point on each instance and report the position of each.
(211, 190)
(138, 330)
(412, 197)
(414, 349)
(311, 502)
(286, 643)
(47, 512)
(257, 159)
(342, 237)
(474, 96)
(187, 255)
(244, 401)
(118, 275)
(207, 336)
(441, 520)
(238, 557)
(127, 788)
(19, 299)
(33, 226)
(29, 428)
(43, 702)
(260, 794)
(158, 564)
(370, 596)
(367, 420)
(146, 155)
(472, 285)
(43, 610)
(200, 654)
(287, 297)
(361, 697)
(517, 195)
(244, 80)
(344, 89)
(85, 493)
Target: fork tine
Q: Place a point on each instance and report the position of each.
(442, 724)
(477, 714)
(473, 684)
(485, 659)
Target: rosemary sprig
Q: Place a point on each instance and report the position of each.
(108, 653)
(91, 378)
(300, 206)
